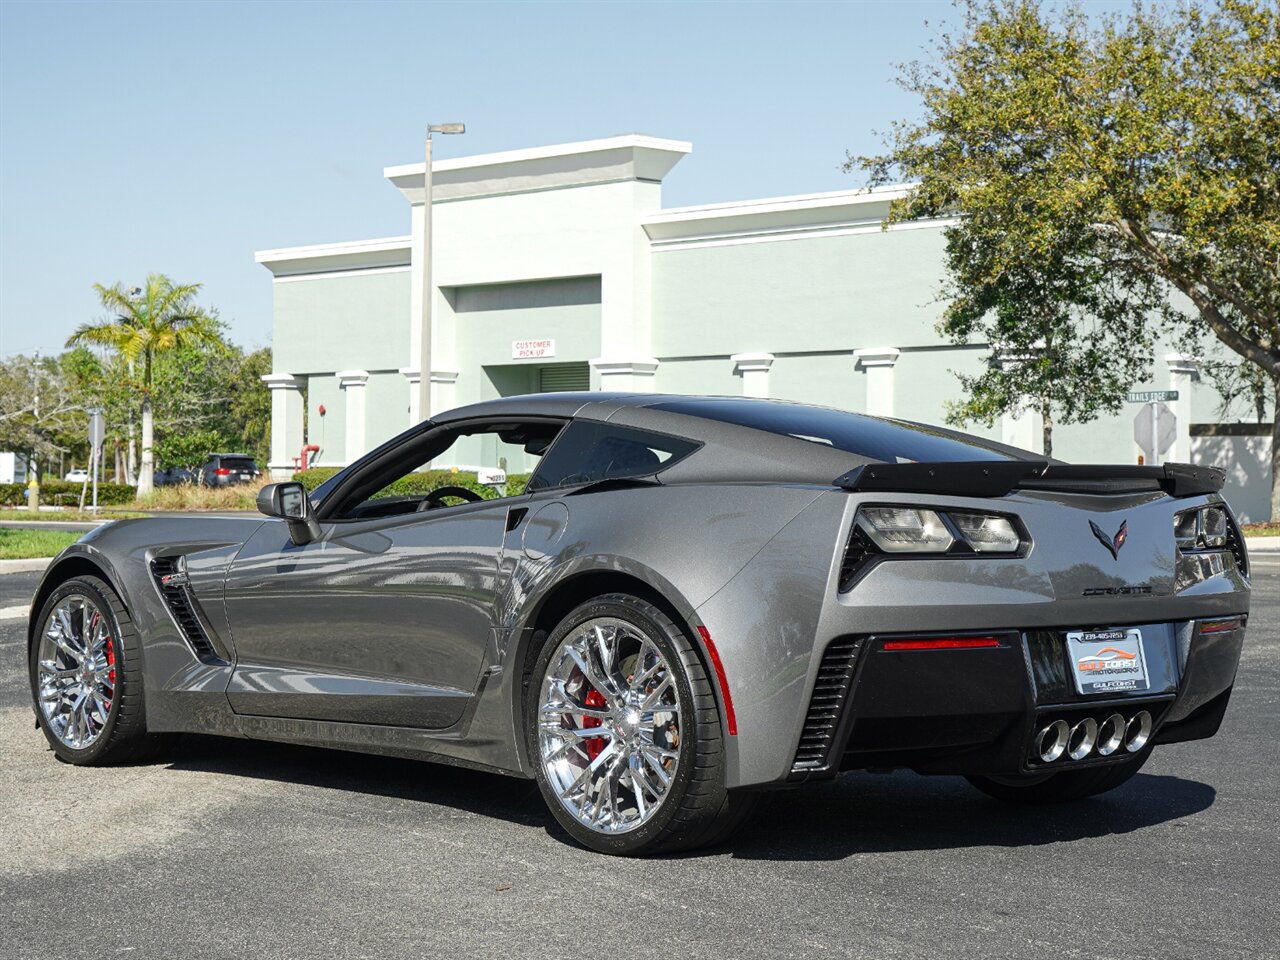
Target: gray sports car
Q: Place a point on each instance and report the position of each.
(693, 600)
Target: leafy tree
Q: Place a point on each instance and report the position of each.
(41, 414)
(146, 324)
(107, 382)
(250, 406)
(1238, 384)
(193, 383)
(216, 388)
(1139, 151)
(188, 449)
(1063, 340)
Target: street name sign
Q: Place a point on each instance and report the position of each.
(1152, 396)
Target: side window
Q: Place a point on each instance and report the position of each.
(443, 468)
(591, 450)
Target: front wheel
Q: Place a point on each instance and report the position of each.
(86, 676)
(625, 735)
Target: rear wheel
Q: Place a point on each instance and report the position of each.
(625, 734)
(1061, 786)
(86, 676)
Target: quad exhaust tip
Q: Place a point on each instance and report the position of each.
(1089, 736)
(1052, 740)
(1083, 736)
(1138, 731)
(1111, 735)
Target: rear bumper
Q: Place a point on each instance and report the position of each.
(977, 711)
(779, 621)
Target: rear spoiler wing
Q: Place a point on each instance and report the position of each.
(998, 478)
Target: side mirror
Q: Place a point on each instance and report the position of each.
(289, 501)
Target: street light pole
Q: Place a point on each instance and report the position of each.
(428, 289)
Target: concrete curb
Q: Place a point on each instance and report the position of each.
(1263, 544)
(82, 525)
(34, 564)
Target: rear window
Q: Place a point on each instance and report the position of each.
(236, 463)
(590, 450)
(888, 441)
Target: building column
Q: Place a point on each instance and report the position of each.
(754, 370)
(353, 383)
(286, 423)
(443, 390)
(1183, 371)
(621, 375)
(878, 363)
(412, 375)
(1024, 429)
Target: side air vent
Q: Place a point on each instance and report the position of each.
(830, 692)
(171, 579)
(857, 553)
(1235, 543)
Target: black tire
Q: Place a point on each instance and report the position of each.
(1064, 786)
(124, 737)
(697, 810)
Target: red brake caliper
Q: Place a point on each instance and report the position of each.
(593, 745)
(111, 676)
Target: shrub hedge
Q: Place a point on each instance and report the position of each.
(419, 483)
(66, 493)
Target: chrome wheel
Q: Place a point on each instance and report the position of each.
(609, 725)
(76, 671)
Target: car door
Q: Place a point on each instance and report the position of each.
(381, 621)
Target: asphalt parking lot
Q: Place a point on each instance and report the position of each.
(237, 849)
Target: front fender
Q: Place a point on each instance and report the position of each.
(79, 558)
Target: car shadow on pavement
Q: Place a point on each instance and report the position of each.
(855, 814)
(485, 794)
(899, 812)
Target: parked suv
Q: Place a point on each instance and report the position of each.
(173, 476)
(225, 469)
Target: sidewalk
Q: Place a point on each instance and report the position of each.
(1263, 544)
(24, 566)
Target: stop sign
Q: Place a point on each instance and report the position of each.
(1157, 422)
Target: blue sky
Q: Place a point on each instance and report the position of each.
(182, 137)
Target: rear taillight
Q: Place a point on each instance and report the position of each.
(902, 530)
(1205, 528)
(1220, 626)
(222, 472)
(1206, 536)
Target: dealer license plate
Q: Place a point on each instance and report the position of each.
(1107, 661)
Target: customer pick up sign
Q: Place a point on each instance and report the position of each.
(527, 349)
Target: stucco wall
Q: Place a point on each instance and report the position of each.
(356, 321)
(1247, 461)
(822, 293)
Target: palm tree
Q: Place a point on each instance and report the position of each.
(143, 323)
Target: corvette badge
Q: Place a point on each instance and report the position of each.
(1112, 543)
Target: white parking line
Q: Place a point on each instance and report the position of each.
(19, 612)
